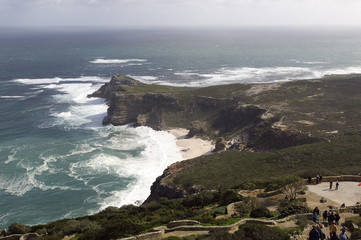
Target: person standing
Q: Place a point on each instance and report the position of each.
(343, 235)
(325, 215)
(333, 236)
(331, 218)
(319, 229)
(316, 210)
(314, 234)
(333, 229)
(314, 217)
(337, 218)
(337, 184)
(320, 178)
(331, 185)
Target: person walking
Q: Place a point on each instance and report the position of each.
(337, 184)
(320, 178)
(331, 185)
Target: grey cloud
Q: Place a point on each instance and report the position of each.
(179, 12)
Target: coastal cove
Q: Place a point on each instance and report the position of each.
(262, 145)
(54, 146)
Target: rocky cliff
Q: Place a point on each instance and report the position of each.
(248, 117)
(203, 111)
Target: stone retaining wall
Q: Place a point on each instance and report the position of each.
(269, 194)
(225, 228)
(341, 178)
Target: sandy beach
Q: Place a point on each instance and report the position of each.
(191, 147)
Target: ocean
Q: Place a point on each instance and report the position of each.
(56, 158)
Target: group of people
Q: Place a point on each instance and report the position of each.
(337, 184)
(318, 179)
(332, 219)
(316, 233)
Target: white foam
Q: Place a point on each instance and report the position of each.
(11, 97)
(112, 61)
(347, 70)
(16, 185)
(253, 75)
(11, 157)
(145, 79)
(160, 151)
(309, 62)
(83, 110)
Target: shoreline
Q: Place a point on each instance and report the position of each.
(191, 147)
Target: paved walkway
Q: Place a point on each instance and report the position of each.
(348, 192)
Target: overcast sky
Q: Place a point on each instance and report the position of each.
(140, 13)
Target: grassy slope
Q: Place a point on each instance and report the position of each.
(232, 168)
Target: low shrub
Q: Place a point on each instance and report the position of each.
(252, 231)
(290, 207)
(356, 234)
(261, 212)
(230, 196)
(244, 208)
(18, 228)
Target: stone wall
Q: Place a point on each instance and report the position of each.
(173, 224)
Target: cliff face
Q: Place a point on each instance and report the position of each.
(143, 109)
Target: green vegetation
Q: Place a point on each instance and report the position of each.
(246, 231)
(17, 228)
(113, 223)
(291, 207)
(261, 212)
(234, 169)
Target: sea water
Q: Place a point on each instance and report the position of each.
(56, 158)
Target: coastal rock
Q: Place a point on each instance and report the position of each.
(164, 187)
(197, 128)
(221, 145)
(116, 84)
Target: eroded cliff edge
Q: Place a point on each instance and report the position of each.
(250, 117)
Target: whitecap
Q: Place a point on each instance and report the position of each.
(112, 61)
(11, 97)
(144, 79)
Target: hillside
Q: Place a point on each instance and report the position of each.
(270, 170)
